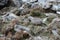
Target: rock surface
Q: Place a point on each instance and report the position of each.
(30, 20)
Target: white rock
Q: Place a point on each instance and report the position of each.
(58, 12)
(55, 7)
(35, 20)
(24, 0)
(28, 1)
(44, 20)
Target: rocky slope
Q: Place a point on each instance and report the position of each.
(30, 20)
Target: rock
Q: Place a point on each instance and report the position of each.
(55, 33)
(9, 27)
(28, 1)
(35, 5)
(9, 16)
(51, 0)
(58, 12)
(35, 20)
(17, 3)
(39, 38)
(36, 38)
(19, 28)
(55, 24)
(55, 7)
(49, 18)
(47, 6)
(3, 3)
(21, 8)
(56, 20)
(51, 15)
(45, 38)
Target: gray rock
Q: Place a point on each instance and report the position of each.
(19, 27)
(9, 16)
(51, 15)
(36, 38)
(18, 3)
(3, 2)
(35, 20)
(44, 20)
